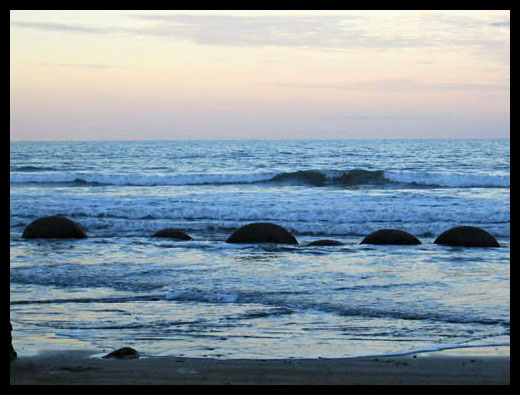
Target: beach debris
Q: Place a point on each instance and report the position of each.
(390, 236)
(172, 234)
(262, 232)
(13, 352)
(467, 236)
(325, 242)
(123, 353)
(53, 227)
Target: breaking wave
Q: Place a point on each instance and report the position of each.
(313, 177)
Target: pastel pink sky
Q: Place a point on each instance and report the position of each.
(117, 75)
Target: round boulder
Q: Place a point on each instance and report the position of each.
(53, 227)
(262, 232)
(467, 236)
(325, 242)
(172, 234)
(390, 236)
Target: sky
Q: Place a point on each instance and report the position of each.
(258, 74)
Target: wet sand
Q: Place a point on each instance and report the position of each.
(78, 367)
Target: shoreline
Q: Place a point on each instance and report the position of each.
(439, 367)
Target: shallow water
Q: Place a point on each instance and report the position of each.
(121, 287)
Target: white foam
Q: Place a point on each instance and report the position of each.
(449, 180)
(345, 213)
(140, 179)
(152, 179)
(431, 348)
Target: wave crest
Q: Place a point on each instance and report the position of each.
(313, 177)
(332, 177)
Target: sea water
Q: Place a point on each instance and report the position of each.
(207, 298)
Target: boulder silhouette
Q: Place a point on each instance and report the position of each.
(262, 232)
(172, 234)
(325, 242)
(53, 227)
(467, 236)
(390, 236)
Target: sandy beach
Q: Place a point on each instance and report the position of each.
(78, 367)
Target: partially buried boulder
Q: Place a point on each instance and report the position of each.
(172, 234)
(467, 236)
(390, 236)
(262, 232)
(53, 227)
(325, 242)
(123, 353)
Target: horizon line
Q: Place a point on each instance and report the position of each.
(260, 139)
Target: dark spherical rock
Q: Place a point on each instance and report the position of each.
(53, 227)
(123, 353)
(467, 236)
(262, 232)
(390, 236)
(172, 234)
(325, 242)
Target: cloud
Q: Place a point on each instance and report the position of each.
(79, 66)
(470, 31)
(229, 30)
(380, 117)
(87, 66)
(59, 27)
(340, 32)
(406, 29)
(368, 31)
(501, 23)
(396, 85)
(452, 31)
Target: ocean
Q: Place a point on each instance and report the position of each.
(208, 298)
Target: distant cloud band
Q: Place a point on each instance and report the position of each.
(399, 84)
(60, 27)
